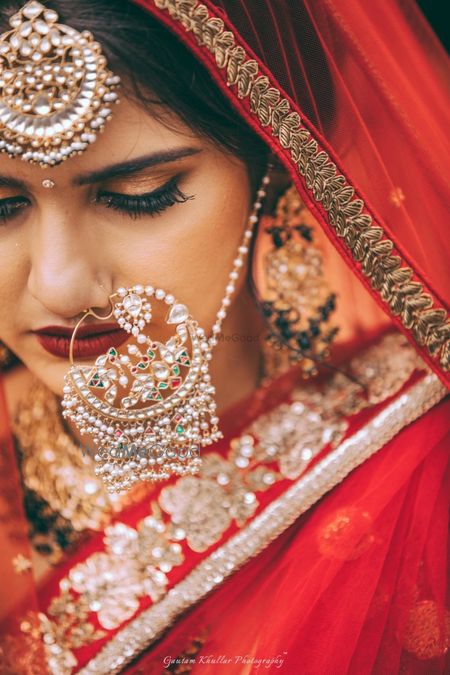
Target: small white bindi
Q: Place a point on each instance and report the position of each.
(48, 183)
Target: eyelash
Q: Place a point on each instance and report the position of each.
(149, 204)
(11, 206)
(135, 206)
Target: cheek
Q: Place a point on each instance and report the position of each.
(13, 281)
(189, 251)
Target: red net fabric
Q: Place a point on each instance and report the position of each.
(370, 83)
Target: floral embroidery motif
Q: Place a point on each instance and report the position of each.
(21, 564)
(426, 633)
(134, 565)
(205, 508)
(346, 534)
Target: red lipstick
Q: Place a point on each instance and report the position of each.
(91, 340)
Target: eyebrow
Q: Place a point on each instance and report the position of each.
(9, 182)
(135, 165)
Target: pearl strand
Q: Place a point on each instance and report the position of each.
(238, 262)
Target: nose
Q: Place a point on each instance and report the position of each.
(65, 268)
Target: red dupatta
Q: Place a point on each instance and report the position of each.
(349, 582)
(354, 102)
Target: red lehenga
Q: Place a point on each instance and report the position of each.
(315, 539)
(295, 579)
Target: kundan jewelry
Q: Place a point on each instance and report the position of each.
(151, 410)
(55, 89)
(296, 299)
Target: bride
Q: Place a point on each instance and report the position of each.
(224, 338)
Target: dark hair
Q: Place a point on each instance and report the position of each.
(161, 72)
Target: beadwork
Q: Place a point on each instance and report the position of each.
(55, 90)
(180, 420)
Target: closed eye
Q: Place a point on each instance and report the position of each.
(149, 203)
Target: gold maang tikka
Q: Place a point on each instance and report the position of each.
(55, 89)
(151, 410)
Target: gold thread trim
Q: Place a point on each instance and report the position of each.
(368, 244)
(141, 632)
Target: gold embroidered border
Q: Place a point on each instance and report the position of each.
(141, 632)
(367, 243)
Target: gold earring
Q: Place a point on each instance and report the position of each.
(7, 357)
(296, 299)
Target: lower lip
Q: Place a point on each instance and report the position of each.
(58, 345)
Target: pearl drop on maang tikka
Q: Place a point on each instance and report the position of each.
(169, 380)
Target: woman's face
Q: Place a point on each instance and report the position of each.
(146, 203)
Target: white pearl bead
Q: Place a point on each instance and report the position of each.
(139, 289)
(238, 262)
(122, 292)
(243, 249)
(149, 290)
(159, 294)
(141, 339)
(230, 288)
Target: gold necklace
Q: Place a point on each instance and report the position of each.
(54, 466)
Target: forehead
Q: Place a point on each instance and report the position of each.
(132, 131)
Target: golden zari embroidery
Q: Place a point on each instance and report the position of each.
(368, 244)
(279, 445)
